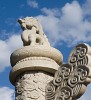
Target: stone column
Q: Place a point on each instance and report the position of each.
(33, 65)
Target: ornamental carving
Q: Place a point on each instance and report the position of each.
(71, 79)
(32, 32)
(31, 85)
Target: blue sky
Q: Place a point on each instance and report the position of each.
(65, 22)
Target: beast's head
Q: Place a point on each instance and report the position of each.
(28, 23)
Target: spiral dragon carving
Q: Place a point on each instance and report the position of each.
(72, 78)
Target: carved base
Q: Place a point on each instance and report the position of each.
(31, 85)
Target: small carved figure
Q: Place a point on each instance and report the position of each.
(32, 32)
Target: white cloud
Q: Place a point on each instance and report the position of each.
(67, 25)
(50, 24)
(51, 12)
(6, 93)
(72, 14)
(6, 48)
(14, 42)
(4, 55)
(32, 3)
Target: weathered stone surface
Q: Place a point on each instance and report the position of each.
(71, 79)
(33, 64)
(30, 85)
(36, 51)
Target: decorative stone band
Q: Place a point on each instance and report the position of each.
(33, 63)
(71, 79)
(36, 51)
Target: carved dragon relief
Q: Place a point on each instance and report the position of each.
(71, 79)
(31, 85)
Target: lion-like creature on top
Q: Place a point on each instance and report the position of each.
(32, 32)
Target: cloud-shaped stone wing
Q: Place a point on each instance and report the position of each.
(71, 79)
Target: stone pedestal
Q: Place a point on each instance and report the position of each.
(34, 65)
